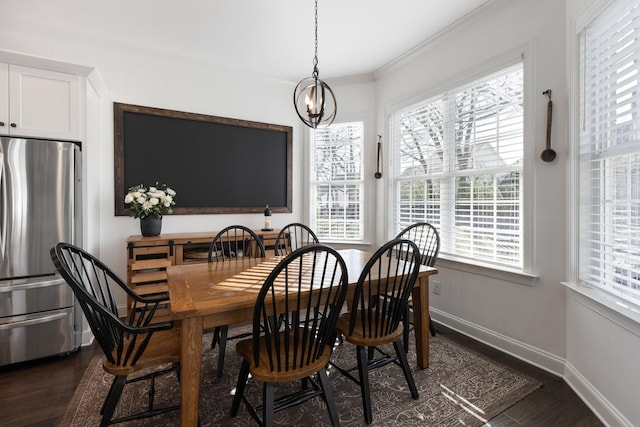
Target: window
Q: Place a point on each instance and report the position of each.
(609, 151)
(458, 165)
(337, 182)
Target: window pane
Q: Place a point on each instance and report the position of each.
(422, 134)
(337, 182)
(489, 122)
(609, 151)
(419, 201)
(458, 163)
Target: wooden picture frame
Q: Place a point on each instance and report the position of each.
(215, 164)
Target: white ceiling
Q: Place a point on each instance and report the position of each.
(270, 37)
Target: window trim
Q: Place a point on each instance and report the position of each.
(627, 312)
(487, 270)
(524, 53)
(624, 307)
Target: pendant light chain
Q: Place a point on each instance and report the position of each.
(315, 58)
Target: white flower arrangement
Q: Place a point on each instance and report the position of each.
(156, 200)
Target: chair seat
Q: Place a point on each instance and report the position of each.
(288, 372)
(163, 347)
(358, 338)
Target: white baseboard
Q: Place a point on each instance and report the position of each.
(598, 403)
(532, 355)
(122, 310)
(86, 338)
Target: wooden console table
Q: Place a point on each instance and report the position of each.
(149, 257)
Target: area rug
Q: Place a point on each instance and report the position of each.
(460, 388)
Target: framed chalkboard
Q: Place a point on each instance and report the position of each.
(215, 164)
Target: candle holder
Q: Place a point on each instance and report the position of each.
(267, 219)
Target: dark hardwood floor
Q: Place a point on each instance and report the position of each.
(552, 405)
(36, 393)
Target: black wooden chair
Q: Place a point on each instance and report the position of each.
(306, 290)
(233, 242)
(129, 346)
(375, 317)
(427, 238)
(294, 236)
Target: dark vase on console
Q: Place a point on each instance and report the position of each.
(150, 226)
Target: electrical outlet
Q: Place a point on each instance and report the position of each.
(436, 287)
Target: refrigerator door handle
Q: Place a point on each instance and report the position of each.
(3, 204)
(31, 322)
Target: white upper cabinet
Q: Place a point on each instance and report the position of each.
(39, 103)
(4, 99)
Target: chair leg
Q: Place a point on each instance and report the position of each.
(363, 370)
(432, 327)
(328, 398)
(267, 404)
(112, 399)
(216, 337)
(402, 357)
(223, 347)
(104, 404)
(152, 392)
(406, 324)
(242, 382)
(177, 367)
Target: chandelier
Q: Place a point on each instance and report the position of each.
(313, 99)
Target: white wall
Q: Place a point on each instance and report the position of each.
(602, 359)
(524, 319)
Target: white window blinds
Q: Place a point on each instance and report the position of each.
(609, 151)
(337, 182)
(458, 165)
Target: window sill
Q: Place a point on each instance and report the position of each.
(624, 308)
(493, 272)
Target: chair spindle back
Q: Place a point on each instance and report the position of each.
(426, 237)
(297, 308)
(236, 241)
(294, 236)
(92, 283)
(390, 274)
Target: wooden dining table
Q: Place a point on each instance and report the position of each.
(205, 295)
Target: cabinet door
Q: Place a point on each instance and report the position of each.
(4, 98)
(44, 103)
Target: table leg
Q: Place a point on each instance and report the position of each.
(420, 297)
(191, 359)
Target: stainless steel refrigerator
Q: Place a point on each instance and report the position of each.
(39, 206)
